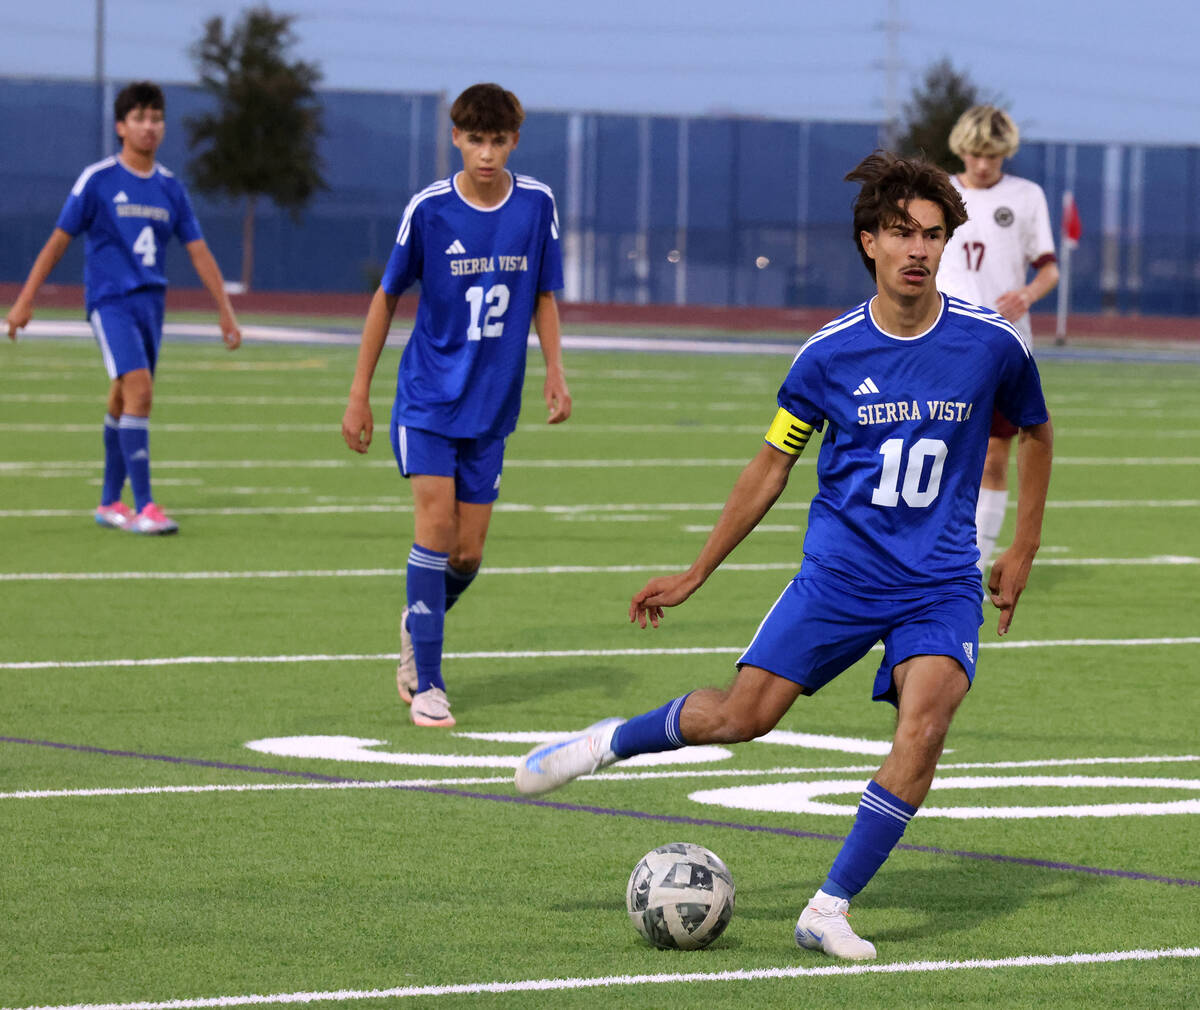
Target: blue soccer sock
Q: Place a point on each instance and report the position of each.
(879, 825)
(134, 433)
(426, 588)
(114, 462)
(456, 583)
(652, 732)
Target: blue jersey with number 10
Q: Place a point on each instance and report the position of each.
(481, 270)
(129, 219)
(908, 420)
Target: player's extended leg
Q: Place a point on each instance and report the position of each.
(993, 497)
(751, 706)
(112, 512)
(461, 568)
(436, 531)
(930, 689)
(137, 395)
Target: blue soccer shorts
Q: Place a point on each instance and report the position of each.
(474, 463)
(817, 629)
(129, 331)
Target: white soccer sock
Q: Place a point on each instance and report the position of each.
(989, 517)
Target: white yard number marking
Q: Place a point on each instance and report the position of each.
(145, 246)
(497, 302)
(889, 492)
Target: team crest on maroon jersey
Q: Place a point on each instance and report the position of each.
(1004, 216)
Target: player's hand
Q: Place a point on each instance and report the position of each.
(1012, 305)
(358, 426)
(231, 333)
(1006, 582)
(558, 399)
(18, 318)
(664, 591)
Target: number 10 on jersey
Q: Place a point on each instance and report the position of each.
(891, 490)
(496, 300)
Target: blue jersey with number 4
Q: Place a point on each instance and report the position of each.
(901, 459)
(481, 270)
(129, 219)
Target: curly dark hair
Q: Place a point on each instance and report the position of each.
(487, 108)
(888, 183)
(139, 94)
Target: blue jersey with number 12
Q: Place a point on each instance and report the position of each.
(129, 218)
(908, 420)
(481, 270)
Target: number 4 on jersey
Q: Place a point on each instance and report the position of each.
(145, 246)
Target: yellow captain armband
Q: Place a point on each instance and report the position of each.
(788, 433)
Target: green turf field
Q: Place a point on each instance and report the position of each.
(151, 854)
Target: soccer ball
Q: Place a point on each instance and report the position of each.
(680, 896)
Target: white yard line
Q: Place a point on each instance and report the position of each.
(1161, 560)
(34, 468)
(56, 328)
(660, 978)
(353, 657)
(253, 787)
(610, 776)
(587, 511)
(27, 469)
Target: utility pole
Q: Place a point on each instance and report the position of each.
(892, 28)
(102, 90)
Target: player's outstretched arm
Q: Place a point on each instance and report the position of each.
(357, 423)
(22, 309)
(1010, 573)
(209, 273)
(756, 490)
(549, 331)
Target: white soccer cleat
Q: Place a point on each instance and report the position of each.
(823, 926)
(406, 669)
(431, 708)
(115, 516)
(152, 521)
(551, 765)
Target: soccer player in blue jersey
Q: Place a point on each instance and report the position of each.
(484, 246)
(129, 206)
(903, 387)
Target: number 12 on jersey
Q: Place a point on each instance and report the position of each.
(890, 490)
(496, 299)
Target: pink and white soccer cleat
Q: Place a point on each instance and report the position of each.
(152, 521)
(116, 516)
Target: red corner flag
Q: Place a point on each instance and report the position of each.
(1072, 227)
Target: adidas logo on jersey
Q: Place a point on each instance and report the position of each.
(866, 386)
(969, 651)
(121, 197)
(456, 248)
(420, 608)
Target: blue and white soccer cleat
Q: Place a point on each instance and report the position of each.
(823, 926)
(551, 765)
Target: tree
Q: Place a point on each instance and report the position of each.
(937, 101)
(262, 138)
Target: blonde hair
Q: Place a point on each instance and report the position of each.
(985, 129)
